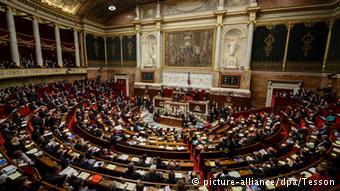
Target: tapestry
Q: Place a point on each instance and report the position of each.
(95, 49)
(129, 51)
(113, 47)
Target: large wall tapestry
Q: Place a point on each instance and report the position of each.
(189, 48)
(333, 62)
(307, 46)
(268, 47)
(95, 49)
(113, 46)
(121, 51)
(129, 51)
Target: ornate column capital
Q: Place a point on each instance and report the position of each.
(289, 25)
(10, 9)
(158, 26)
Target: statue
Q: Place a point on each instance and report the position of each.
(151, 53)
(232, 47)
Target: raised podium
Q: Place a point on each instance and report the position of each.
(172, 107)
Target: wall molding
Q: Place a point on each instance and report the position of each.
(21, 73)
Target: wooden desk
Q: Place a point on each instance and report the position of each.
(171, 121)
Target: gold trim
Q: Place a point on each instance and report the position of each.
(325, 57)
(289, 27)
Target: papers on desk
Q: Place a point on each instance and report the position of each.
(47, 134)
(111, 166)
(98, 164)
(312, 170)
(15, 175)
(32, 151)
(234, 174)
(118, 128)
(84, 175)
(212, 163)
(181, 148)
(282, 163)
(29, 145)
(294, 156)
(3, 162)
(69, 171)
(178, 175)
(148, 160)
(38, 154)
(270, 186)
(310, 145)
(135, 159)
(127, 186)
(237, 188)
(263, 152)
(123, 157)
(9, 169)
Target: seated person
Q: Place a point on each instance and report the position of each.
(171, 179)
(142, 162)
(139, 186)
(54, 177)
(21, 159)
(152, 175)
(180, 186)
(160, 164)
(131, 173)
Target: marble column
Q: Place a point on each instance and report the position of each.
(76, 48)
(138, 44)
(217, 47)
(158, 34)
(159, 47)
(58, 45)
(38, 52)
(13, 37)
(82, 50)
(249, 45)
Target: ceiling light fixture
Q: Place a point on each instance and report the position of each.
(111, 8)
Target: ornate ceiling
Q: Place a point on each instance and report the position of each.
(97, 10)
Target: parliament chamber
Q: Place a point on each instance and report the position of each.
(169, 95)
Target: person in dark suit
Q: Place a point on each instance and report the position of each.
(324, 142)
(131, 173)
(160, 164)
(139, 186)
(142, 161)
(152, 175)
(171, 179)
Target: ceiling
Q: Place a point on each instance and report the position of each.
(97, 10)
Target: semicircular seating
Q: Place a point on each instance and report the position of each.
(66, 134)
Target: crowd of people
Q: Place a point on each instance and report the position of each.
(29, 62)
(100, 110)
